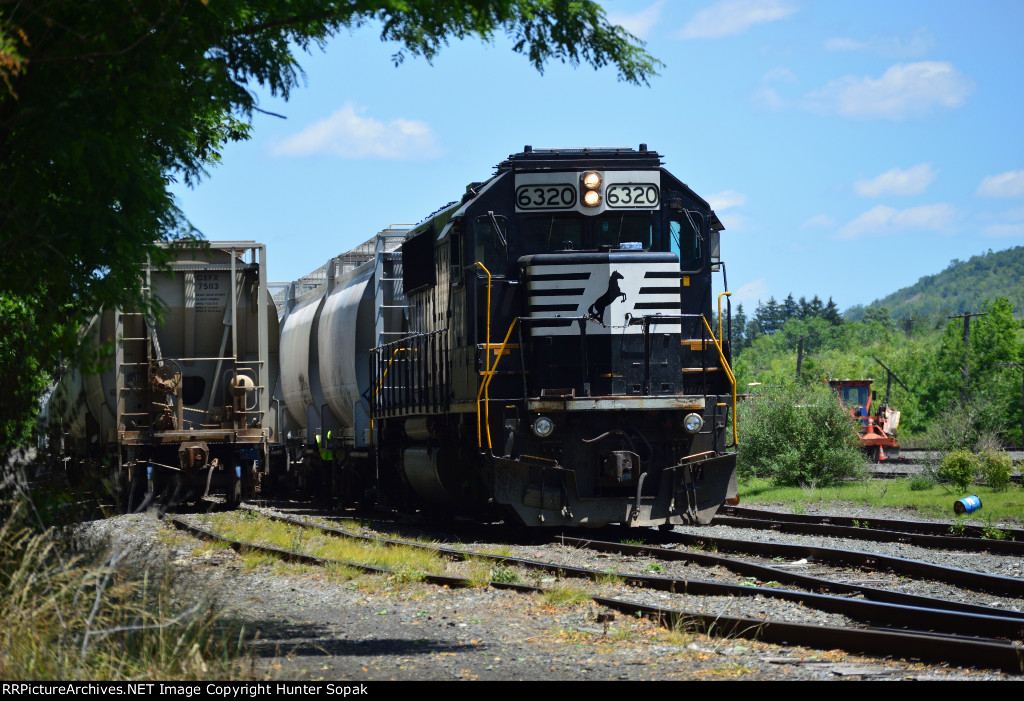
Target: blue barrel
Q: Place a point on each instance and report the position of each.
(967, 504)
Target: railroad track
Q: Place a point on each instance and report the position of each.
(968, 635)
(920, 533)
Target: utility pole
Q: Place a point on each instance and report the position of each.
(966, 316)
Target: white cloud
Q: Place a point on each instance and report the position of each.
(639, 23)
(819, 221)
(348, 134)
(1009, 223)
(891, 47)
(1009, 184)
(726, 199)
(766, 96)
(728, 17)
(883, 220)
(750, 293)
(898, 182)
(905, 90)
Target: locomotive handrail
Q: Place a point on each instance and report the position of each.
(728, 373)
(723, 294)
(485, 389)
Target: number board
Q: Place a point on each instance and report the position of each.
(554, 196)
(620, 189)
(632, 195)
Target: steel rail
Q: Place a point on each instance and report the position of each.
(985, 622)
(876, 534)
(923, 527)
(817, 585)
(990, 654)
(976, 581)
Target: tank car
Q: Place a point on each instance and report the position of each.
(182, 407)
(540, 350)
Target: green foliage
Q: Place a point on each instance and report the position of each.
(959, 468)
(929, 364)
(104, 104)
(798, 435)
(996, 468)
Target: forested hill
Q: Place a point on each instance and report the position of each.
(964, 286)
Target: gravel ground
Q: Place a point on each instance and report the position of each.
(307, 625)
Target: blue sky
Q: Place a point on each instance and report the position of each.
(849, 148)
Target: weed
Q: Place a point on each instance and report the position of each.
(564, 596)
(993, 532)
(655, 567)
(799, 508)
(607, 578)
(505, 575)
(632, 541)
(921, 483)
(958, 527)
(68, 618)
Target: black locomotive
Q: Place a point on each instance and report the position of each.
(556, 361)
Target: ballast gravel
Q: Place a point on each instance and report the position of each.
(304, 625)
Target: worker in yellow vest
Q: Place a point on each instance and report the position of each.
(326, 454)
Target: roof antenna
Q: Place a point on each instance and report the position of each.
(527, 149)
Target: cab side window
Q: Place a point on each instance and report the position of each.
(684, 229)
(491, 244)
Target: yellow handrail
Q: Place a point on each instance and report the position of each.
(490, 376)
(728, 372)
(724, 294)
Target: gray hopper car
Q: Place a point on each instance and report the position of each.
(182, 407)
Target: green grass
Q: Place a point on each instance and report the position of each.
(407, 564)
(936, 502)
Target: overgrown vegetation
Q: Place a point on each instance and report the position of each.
(798, 434)
(71, 618)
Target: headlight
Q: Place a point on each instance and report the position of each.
(591, 181)
(543, 427)
(591, 198)
(693, 423)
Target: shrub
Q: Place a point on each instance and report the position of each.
(959, 468)
(921, 483)
(798, 435)
(996, 468)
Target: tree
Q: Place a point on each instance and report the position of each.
(102, 104)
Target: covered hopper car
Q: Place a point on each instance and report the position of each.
(183, 405)
(540, 349)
